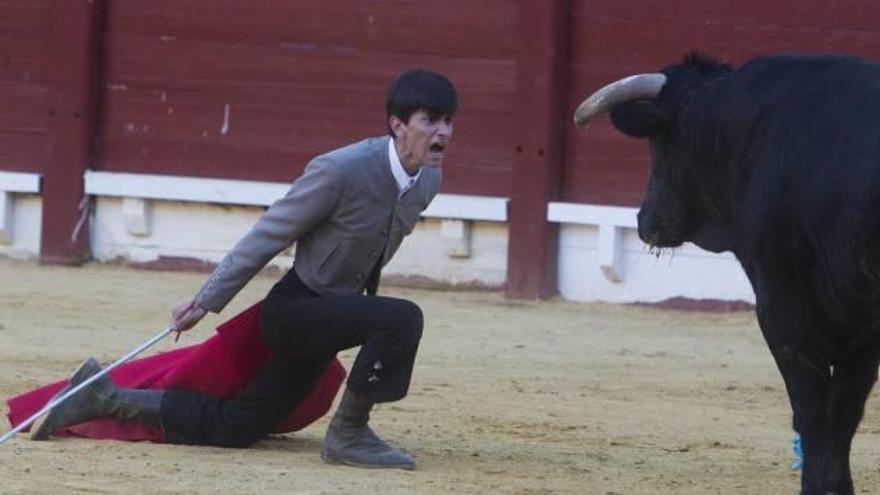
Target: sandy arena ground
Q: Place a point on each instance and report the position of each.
(508, 398)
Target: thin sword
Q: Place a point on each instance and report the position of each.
(24, 424)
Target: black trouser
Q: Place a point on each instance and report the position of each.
(303, 331)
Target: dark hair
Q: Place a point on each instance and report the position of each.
(419, 89)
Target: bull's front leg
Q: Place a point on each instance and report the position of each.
(808, 393)
(851, 383)
(787, 319)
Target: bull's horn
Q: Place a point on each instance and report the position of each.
(638, 87)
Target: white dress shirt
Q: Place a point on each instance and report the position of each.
(404, 180)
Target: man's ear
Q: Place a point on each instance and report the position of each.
(640, 118)
(397, 126)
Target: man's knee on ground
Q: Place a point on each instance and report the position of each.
(410, 321)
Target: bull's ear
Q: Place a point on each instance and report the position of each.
(640, 118)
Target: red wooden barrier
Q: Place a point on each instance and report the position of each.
(74, 81)
(541, 119)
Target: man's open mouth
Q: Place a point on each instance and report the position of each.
(438, 147)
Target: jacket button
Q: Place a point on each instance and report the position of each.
(384, 232)
(374, 254)
(360, 278)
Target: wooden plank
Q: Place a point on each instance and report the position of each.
(466, 170)
(650, 44)
(480, 27)
(285, 107)
(296, 84)
(843, 14)
(22, 152)
(25, 15)
(72, 76)
(617, 38)
(540, 80)
(621, 182)
(184, 60)
(24, 35)
(23, 107)
(23, 57)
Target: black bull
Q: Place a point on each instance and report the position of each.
(777, 161)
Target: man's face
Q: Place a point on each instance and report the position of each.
(421, 141)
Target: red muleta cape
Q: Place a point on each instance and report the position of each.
(221, 365)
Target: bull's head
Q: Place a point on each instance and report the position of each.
(650, 106)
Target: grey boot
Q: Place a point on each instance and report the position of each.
(350, 441)
(85, 370)
(101, 399)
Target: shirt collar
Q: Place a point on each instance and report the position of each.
(403, 179)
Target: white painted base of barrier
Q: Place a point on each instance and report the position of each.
(422, 257)
(206, 232)
(196, 231)
(23, 229)
(601, 258)
(16, 222)
(461, 241)
(139, 193)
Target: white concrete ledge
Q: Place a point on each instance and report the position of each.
(19, 182)
(485, 208)
(254, 193)
(586, 214)
(174, 188)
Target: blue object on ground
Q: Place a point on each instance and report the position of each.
(798, 451)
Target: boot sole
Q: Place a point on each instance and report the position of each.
(42, 429)
(330, 459)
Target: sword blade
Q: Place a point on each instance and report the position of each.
(58, 400)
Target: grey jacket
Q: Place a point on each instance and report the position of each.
(344, 214)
